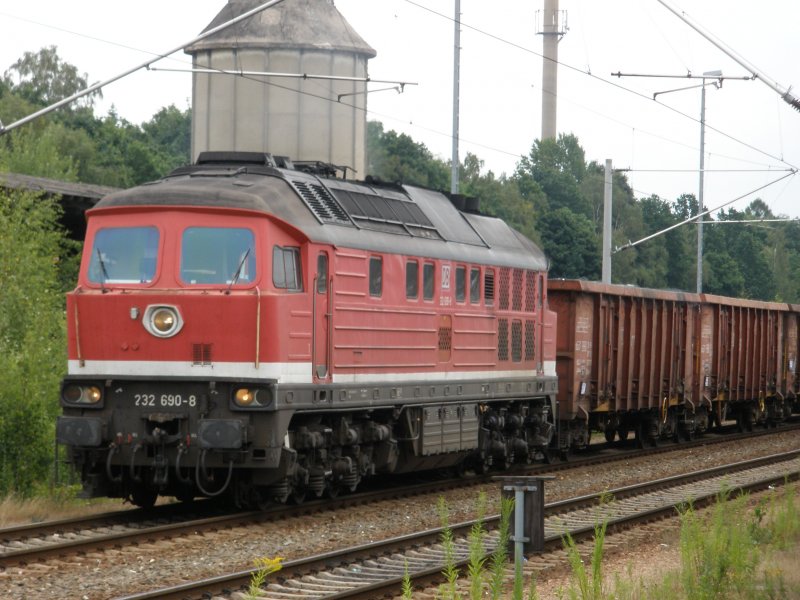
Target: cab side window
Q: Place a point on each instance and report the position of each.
(428, 281)
(461, 283)
(322, 273)
(375, 276)
(475, 285)
(412, 280)
(286, 271)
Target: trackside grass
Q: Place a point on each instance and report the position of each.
(732, 551)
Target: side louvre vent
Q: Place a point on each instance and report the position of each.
(502, 339)
(201, 354)
(530, 339)
(320, 201)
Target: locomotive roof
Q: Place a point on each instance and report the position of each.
(378, 217)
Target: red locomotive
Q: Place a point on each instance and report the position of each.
(259, 328)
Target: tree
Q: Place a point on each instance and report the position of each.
(42, 78)
(499, 197)
(747, 245)
(34, 150)
(397, 157)
(557, 167)
(32, 337)
(169, 132)
(571, 244)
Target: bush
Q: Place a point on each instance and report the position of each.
(32, 337)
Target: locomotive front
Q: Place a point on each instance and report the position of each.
(165, 364)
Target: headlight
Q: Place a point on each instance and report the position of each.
(81, 394)
(162, 321)
(252, 398)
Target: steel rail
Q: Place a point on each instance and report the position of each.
(37, 542)
(342, 560)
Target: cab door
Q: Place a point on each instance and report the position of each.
(323, 324)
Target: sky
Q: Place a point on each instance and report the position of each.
(752, 136)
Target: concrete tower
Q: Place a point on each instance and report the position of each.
(304, 119)
(552, 31)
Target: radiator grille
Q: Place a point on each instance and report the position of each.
(201, 354)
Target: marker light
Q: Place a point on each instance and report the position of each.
(82, 394)
(244, 397)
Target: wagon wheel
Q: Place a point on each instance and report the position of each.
(623, 434)
(640, 436)
(610, 434)
(482, 465)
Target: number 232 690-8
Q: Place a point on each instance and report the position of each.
(164, 400)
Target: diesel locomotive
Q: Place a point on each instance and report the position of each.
(259, 328)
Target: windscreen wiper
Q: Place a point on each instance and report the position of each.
(238, 272)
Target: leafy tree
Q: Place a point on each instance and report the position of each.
(169, 132)
(42, 78)
(32, 337)
(107, 150)
(557, 167)
(397, 157)
(499, 197)
(746, 245)
(34, 150)
(570, 242)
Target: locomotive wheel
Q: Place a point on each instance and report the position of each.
(185, 495)
(144, 497)
(299, 495)
(332, 490)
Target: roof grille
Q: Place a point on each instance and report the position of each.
(321, 202)
(382, 213)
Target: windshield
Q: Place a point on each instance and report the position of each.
(124, 255)
(217, 255)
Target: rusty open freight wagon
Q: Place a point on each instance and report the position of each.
(668, 364)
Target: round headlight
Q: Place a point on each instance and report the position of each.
(244, 397)
(164, 320)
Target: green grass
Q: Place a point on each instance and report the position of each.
(731, 551)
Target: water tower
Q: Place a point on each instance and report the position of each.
(302, 118)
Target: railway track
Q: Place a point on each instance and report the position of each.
(39, 542)
(376, 570)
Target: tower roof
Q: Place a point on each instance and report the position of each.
(295, 24)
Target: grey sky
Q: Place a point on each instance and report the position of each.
(750, 127)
